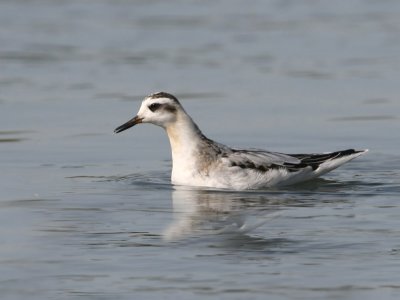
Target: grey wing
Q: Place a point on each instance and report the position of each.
(261, 160)
(314, 160)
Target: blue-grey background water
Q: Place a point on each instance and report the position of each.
(86, 214)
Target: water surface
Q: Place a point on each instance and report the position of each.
(87, 214)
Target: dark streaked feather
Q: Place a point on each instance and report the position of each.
(320, 158)
(264, 161)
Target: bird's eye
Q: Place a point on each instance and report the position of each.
(153, 107)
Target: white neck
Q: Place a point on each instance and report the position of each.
(184, 137)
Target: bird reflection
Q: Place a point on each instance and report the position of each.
(206, 212)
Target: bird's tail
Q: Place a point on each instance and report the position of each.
(337, 159)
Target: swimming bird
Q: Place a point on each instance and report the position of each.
(200, 161)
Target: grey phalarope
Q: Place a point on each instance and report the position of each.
(199, 161)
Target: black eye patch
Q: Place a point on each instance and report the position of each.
(153, 107)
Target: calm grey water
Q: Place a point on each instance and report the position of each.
(86, 214)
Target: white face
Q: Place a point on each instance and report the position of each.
(155, 109)
(158, 111)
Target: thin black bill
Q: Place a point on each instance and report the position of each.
(129, 124)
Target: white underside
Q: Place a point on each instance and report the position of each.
(237, 178)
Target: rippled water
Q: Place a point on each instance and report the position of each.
(88, 214)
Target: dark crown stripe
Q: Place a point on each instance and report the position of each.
(163, 95)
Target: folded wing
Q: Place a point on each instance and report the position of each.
(263, 161)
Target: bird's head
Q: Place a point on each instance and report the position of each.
(160, 109)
